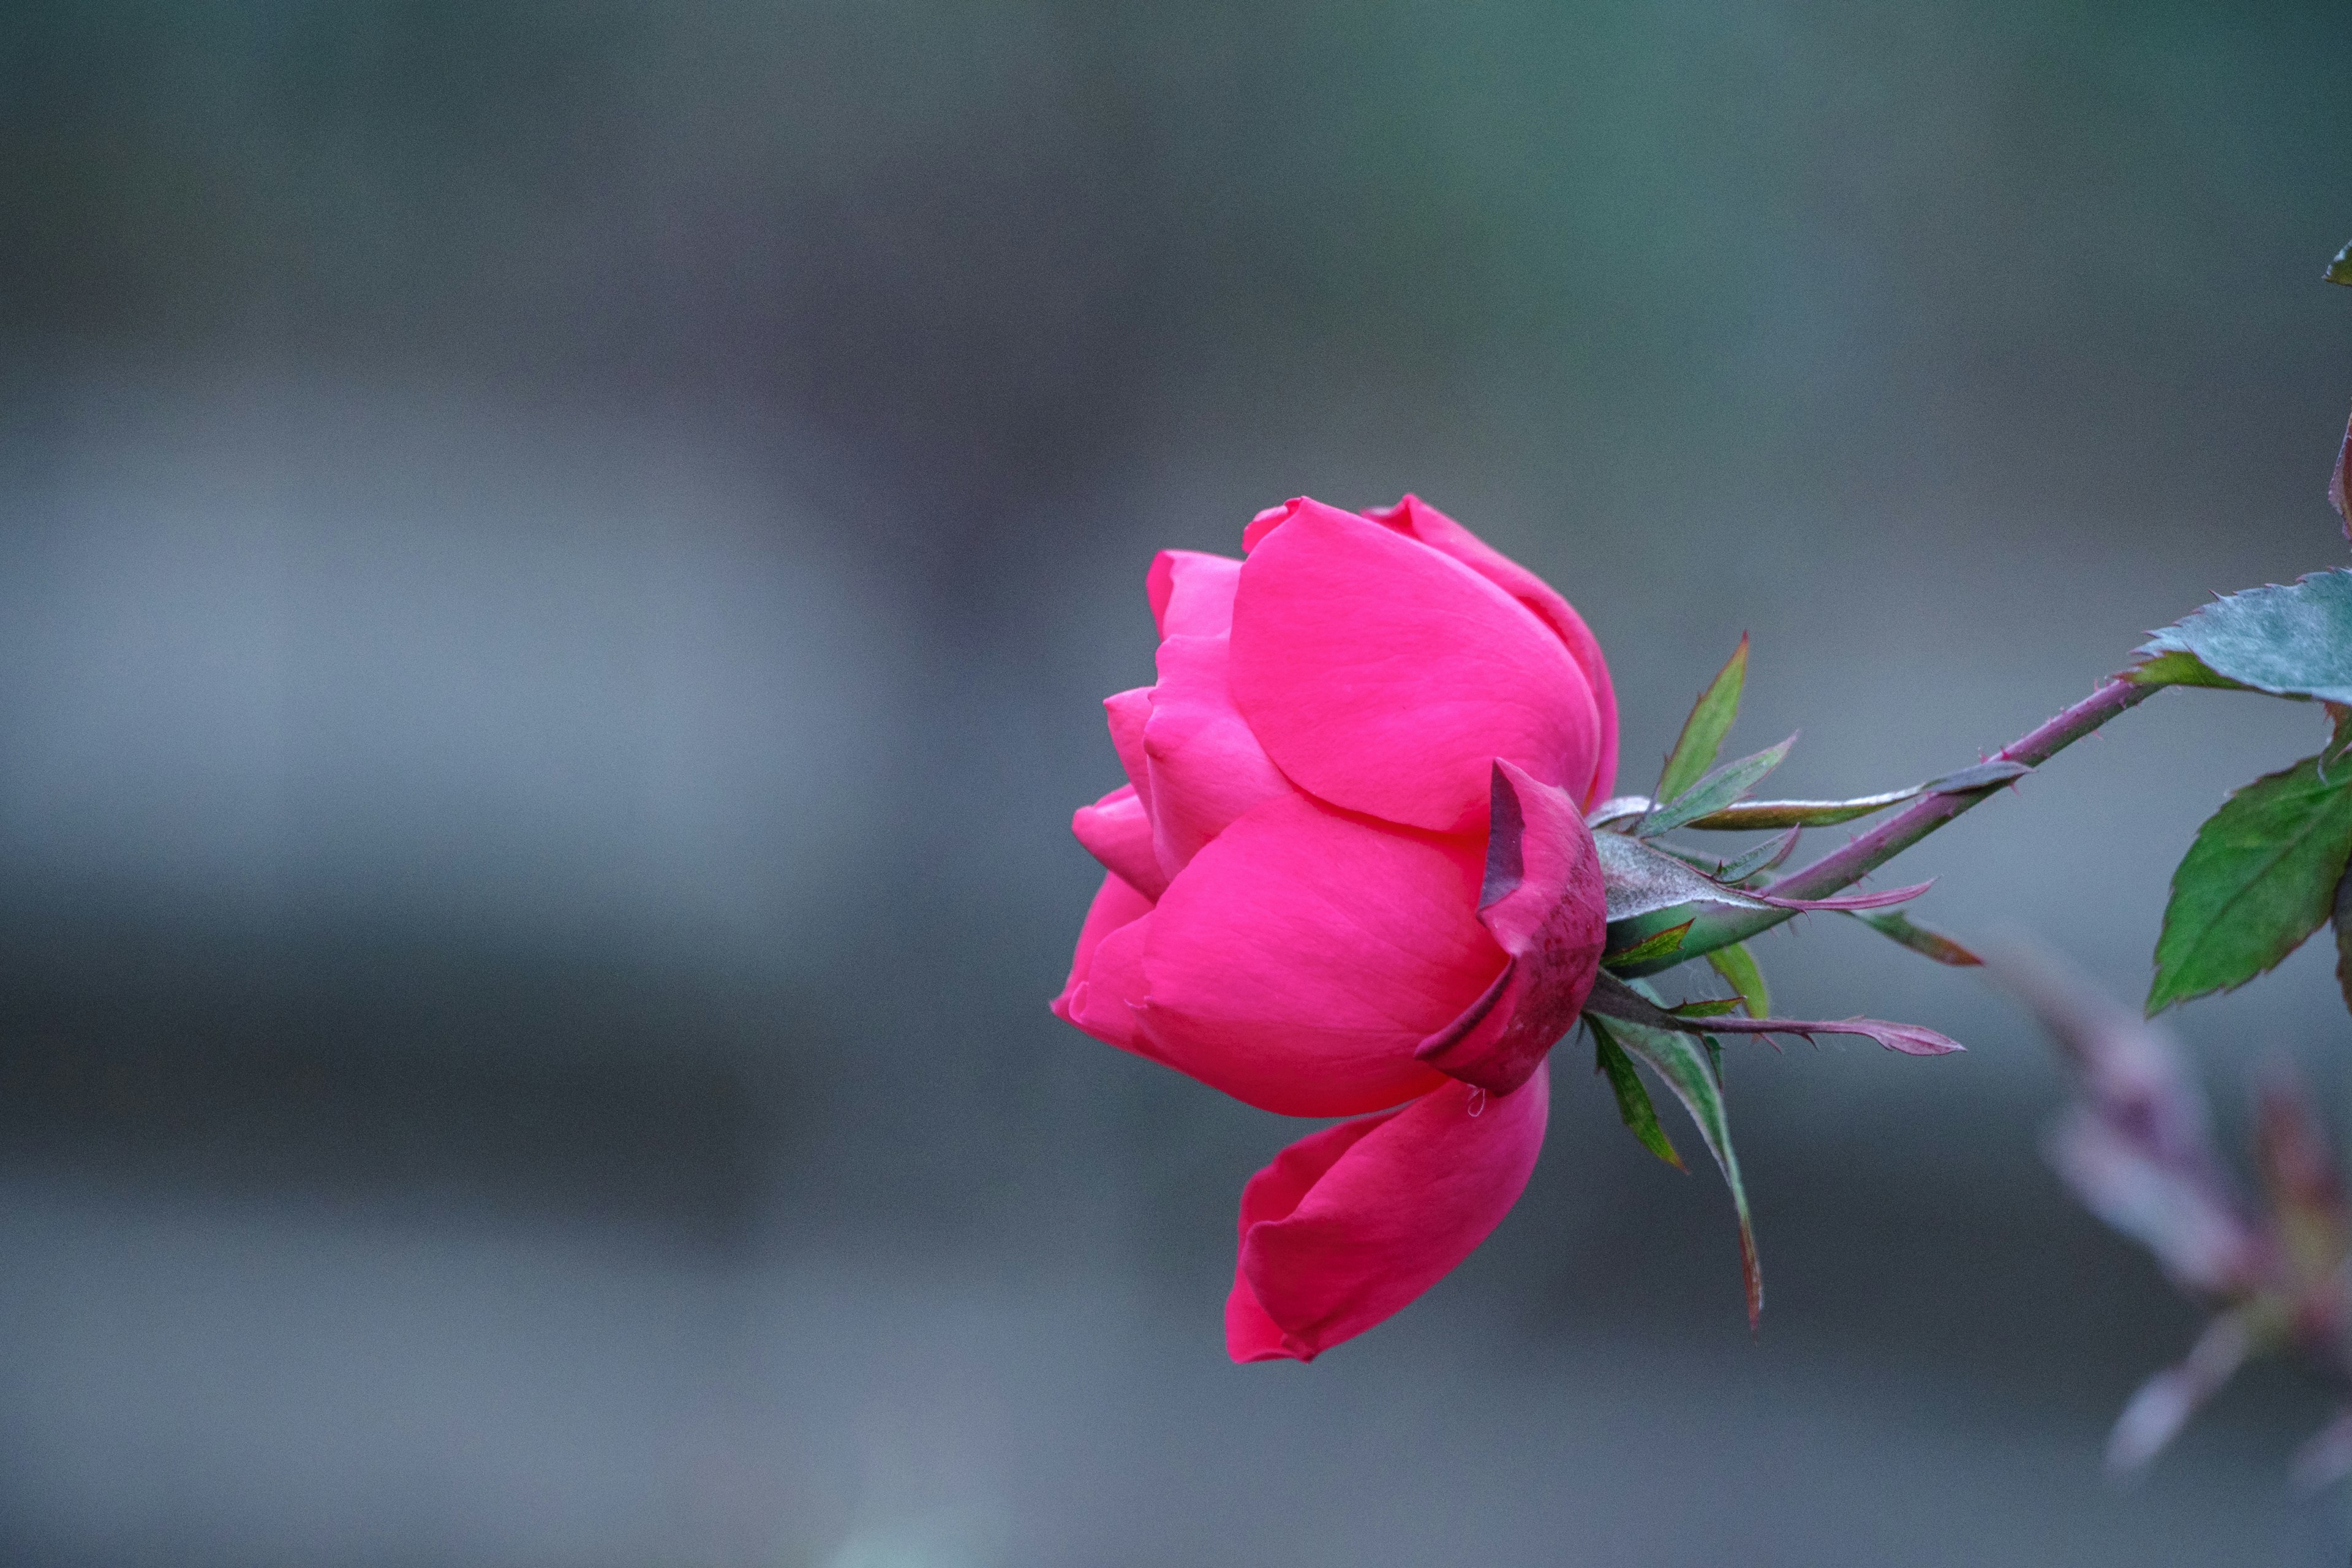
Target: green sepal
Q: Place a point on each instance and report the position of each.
(1740, 970)
(2340, 269)
(1693, 1071)
(1657, 946)
(2290, 641)
(1633, 1107)
(1918, 938)
(2259, 876)
(1716, 791)
(1763, 857)
(1703, 733)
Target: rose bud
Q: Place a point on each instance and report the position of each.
(1350, 873)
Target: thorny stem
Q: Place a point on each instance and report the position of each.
(1843, 867)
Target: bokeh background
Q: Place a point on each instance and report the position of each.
(557, 562)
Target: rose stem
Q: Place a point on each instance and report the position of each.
(1845, 867)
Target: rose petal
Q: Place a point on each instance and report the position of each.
(1128, 711)
(1386, 677)
(1106, 1002)
(1115, 832)
(1415, 517)
(1116, 905)
(1301, 957)
(1350, 1224)
(1192, 593)
(1206, 767)
(1545, 902)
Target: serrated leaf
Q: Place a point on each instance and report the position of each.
(1633, 1107)
(1919, 939)
(2290, 641)
(1686, 1070)
(1716, 791)
(1703, 733)
(1657, 946)
(2340, 269)
(2259, 876)
(1740, 970)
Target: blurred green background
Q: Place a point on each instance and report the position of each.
(557, 563)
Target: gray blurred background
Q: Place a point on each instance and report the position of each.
(557, 563)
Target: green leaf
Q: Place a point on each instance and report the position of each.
(1633, 1107)
(1740, 969)
(1657, 946)
(1718, 790)
(1919, 939)
(2259, 878)
(1689, 1070)
(1706, 1007)
(1703, 733)
(2293, 641)
(2340, 269)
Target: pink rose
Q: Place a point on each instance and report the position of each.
(1350, 873)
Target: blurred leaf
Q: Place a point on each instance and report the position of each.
(2136, 1145)
(1919, 939)
(1703, 733)
(2340, 269)
(1739, 966)
(2259, 878)
(2325, 1456)
(1706, 1007)
(2165, 1402)
(1718, 790)
(2293, 641)
(1763, 857)
(1633, 1107)
(1658, 946)
(1688, 1071)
